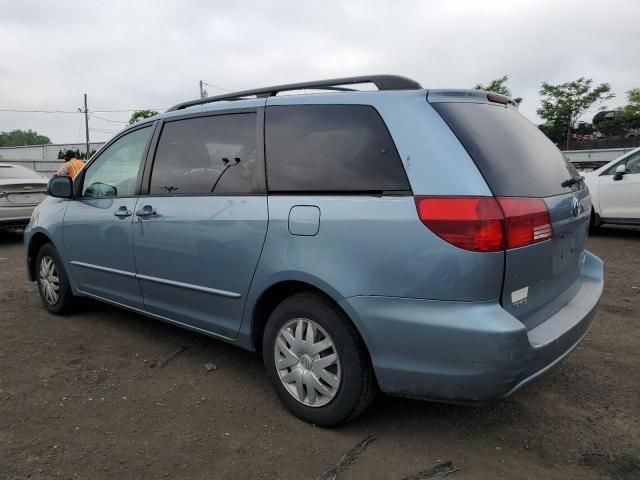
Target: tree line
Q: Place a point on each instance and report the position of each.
(562, 105)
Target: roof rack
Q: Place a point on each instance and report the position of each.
(383, 82)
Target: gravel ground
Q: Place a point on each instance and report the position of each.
(80, 397)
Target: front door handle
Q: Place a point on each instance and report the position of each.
(122, 212)
(146, 211)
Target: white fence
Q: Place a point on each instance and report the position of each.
(42, 158)
(600, 155)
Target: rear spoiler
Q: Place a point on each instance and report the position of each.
(469, 96)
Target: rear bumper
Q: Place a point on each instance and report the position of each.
(468, 351)
(15, 216)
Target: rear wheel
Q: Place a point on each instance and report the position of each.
(317, 361)
(53, 283)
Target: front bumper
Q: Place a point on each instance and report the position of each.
(468, 351)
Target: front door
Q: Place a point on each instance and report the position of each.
(199, 231)
(98, 226)
(620, 195)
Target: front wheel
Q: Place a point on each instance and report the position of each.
(317, 361)
(53, 283)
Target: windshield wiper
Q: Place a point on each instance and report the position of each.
(572, 181)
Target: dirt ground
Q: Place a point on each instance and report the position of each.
(79, 398)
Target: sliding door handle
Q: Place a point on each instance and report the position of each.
(146, 211)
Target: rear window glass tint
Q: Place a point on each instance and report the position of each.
(514, 156)
(325, 148)
(206, 155)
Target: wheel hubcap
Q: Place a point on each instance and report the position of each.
(49, 281)
(307, 362)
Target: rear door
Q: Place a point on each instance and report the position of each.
(517, 160)
(620, 195)
(199, 230)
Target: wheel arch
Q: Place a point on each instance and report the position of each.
(272, 296)
(35, 244)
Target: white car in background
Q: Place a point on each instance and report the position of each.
(615, 191)
(21, 190)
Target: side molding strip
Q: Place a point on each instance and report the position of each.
(214, 291)
(103, 269)
(198, 288)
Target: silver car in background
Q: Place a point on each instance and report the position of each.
(21, 190)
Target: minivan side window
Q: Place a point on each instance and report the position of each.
(330, 148)
(115, 171)
(206, 155)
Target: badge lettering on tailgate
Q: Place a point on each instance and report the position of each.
(519, 298)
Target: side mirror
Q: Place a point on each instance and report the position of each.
(620, 171)
(60, 187)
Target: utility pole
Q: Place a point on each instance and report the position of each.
(203, 92)
(86, 125)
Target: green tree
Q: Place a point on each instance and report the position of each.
(499, 85)
(141, 114)
(625, 118)
(565, 103)
(18, 138)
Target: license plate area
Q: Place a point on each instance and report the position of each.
(565, 252)
(31, 198)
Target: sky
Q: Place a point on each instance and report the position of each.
(140, 54)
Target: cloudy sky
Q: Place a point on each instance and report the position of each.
(150, 54)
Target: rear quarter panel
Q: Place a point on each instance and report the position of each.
(374, 246)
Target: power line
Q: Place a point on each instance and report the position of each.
(130, 110)
(17, 110)
(106, 119)
(102, 130)
(13, 110)
(215, 86)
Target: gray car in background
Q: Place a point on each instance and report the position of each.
(425, 243)
(21, 190)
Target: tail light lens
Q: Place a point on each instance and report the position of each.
(486, 224)
(527, 221)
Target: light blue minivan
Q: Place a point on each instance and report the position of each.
(425, 243)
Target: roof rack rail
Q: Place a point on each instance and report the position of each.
(383, 82)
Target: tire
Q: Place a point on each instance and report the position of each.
(49, 269)
(312, 387)
(594, 222)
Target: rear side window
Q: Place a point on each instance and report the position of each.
(331, 148)
(206, 155)
(514, 156)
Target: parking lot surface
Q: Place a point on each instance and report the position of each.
(87, 396)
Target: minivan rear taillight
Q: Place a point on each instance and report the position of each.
(486, 224)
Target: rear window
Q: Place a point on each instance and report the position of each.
(514, 156)
(18, 173)
(331, 148)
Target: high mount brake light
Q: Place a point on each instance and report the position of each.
(486, 224)
(492, 97)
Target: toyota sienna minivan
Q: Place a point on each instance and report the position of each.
(422, 243)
